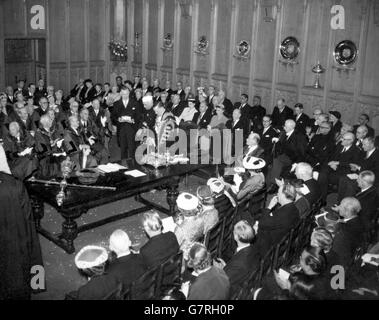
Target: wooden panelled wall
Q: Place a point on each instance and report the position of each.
(226, 22)
(78, 33)
(77, 37)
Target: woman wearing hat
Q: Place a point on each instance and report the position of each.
(208, 211)
(250, 182)
(190, 225)
(91, 262)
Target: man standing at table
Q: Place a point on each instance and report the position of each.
(125, 116)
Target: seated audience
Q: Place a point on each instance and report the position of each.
(19, 148)
(289, 149)
(246, 258)
(257, 113)
(211, 283)
(223, 201)
(208, 212)
(350, 231)
(91, 262)
(335, 119)
(311, 189)
(267, 134)
(161, 245)
(339, 163)
(281, 114)
(247, 183)
(363, 120)
(309, 282)
(128, 266)
(301, 119)
(320, 147)
(190, 227)
(280, 216)
(49, 148)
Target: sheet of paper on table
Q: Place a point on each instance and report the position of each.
(111, 167)
(135, 173)
(168, 224)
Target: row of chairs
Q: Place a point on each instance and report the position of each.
(282, 254)
(154, 283)
(219, 240)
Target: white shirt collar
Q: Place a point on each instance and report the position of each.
(368, 155)
(365, 189)
(289, 133)
(243, 247)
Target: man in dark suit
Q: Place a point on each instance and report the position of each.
(43, 106)
(125, 116)
(160, 246)
(246, 258)
(128, 266)
(368, 197)
(145, 88)
(168, 90)
(41, 91)
(177, 105)
(257, 113)
(21, 88)
(304, 172)
(203, 117)
(179, 90)
(88, 93)
(137, 82)
(348, 185)
(280, 114)
(222, 99)
(289, 149)
(235, 125)
(321, 147)
(280, 216)
(10, 95)
(363, 120)
(211, 95)
(244, 107)
(335, 119)
(350, 232)
(301, 119)
(267, 134)
(339, 163)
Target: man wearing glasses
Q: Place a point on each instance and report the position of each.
(43, 106)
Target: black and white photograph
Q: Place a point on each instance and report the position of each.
(216, 152)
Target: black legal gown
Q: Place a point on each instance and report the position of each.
(19, 243)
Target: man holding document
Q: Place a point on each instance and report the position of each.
(125, 116)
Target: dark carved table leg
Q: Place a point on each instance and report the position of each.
(69, 234)
(38, 211)
(172, 195)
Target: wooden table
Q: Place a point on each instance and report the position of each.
(79, 200)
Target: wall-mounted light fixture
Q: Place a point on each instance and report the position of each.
(186, 8)
(269, 12)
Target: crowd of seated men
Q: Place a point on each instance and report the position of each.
(299, 159)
